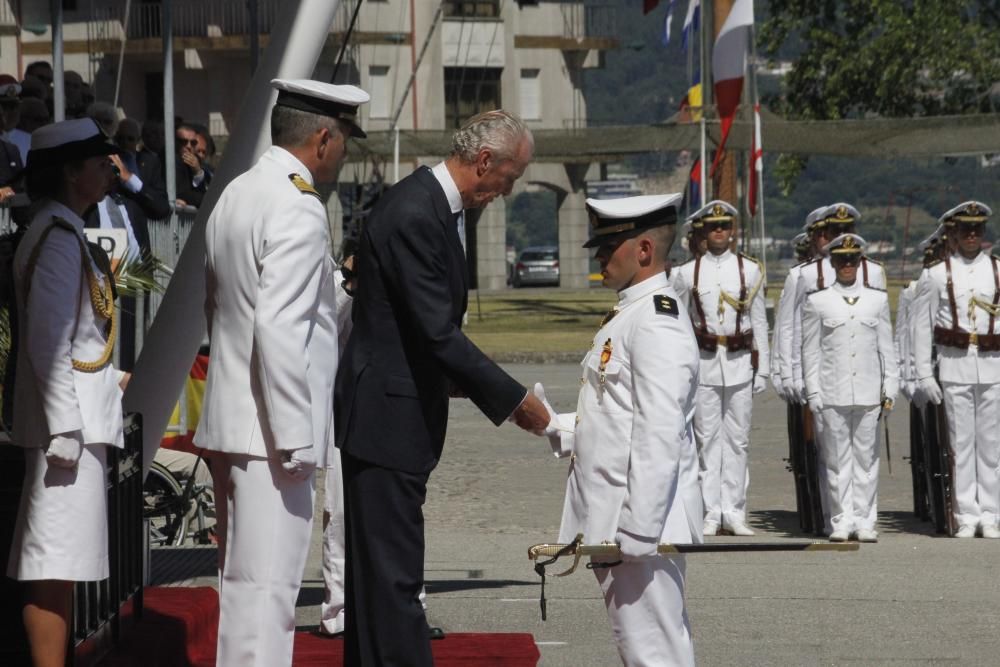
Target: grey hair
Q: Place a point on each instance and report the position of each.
(105, 115)
(499, 131)
(293, 127)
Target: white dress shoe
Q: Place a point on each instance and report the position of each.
(991, 532)
(839, 536)
(710, 528)
(966, 530)
(867, 535)
(739, 529)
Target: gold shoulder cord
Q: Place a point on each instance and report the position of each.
(101, 296)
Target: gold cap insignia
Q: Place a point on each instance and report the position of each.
(718, 211)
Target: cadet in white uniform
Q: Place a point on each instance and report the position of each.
(269, 394)
(723, 294)
(633, 475)
(67, 401)
(851, 377)
(960, 296)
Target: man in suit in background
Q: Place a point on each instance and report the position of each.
(406, 356)
(268, 412)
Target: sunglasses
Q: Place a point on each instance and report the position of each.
(967, 228)
(187, 142)
(845, 260)
(716, 226)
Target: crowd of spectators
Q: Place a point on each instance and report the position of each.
(27, 104)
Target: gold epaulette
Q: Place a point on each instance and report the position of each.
(303, 185)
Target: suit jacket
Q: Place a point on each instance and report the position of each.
(847, 350)
(407, 347)
(191, 194)
(57, 324)
(634, 464)
(151, 199)
(136, 217)
(269, 301)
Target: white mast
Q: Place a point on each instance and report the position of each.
(179, 327)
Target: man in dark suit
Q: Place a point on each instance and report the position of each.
(406, 355)
(140, 174)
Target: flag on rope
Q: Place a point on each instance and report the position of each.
(690, 21)
(694, 185)
(691, 105)
(756, 162)
(667, 21)
(729, 60)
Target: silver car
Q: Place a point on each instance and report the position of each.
(537, 265)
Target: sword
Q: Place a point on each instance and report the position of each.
(612, 552)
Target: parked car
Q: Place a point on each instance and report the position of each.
(537, 265)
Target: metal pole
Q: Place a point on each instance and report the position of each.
(169, 154)
(254, 35)
(121, 52)
(179, 328)
(58, 67)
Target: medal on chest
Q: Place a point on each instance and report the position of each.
(605, 358)
(851, 300)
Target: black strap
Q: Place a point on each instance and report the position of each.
(697, 295)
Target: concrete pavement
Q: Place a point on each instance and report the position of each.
(913, 598)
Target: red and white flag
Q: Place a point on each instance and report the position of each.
(729, 62)
(756, 162)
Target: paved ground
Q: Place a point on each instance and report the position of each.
(913, 598)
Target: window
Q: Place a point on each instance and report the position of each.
(531, 94)
(468, 91)
(378, 88)
(472, 8)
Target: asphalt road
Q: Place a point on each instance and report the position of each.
(913, 598)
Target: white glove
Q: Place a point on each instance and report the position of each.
(931, 390)
(759, 383)
(798, 392)
(779, 387)
(553, 428)
(64, 449)
(299, 463)
(634, 547)
(815, 404)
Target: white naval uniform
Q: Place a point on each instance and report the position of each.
(904, 356)
(634, 468)
(725, 381)
(816, 275)
(850, 364)
(269, 291)
(62, 525)
(334, 545)
(781, 370)
(970, 381)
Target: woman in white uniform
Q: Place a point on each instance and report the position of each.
(67, 402)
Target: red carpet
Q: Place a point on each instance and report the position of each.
(178, 628)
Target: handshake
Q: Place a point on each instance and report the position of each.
(536, 415)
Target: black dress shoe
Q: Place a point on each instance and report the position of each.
(435, 633)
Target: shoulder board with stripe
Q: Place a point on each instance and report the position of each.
(877, 289)
(665, 304)
(873, 261)
(934, 263)
(303, 185)
(751, 258)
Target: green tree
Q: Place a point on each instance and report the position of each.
(891, 58)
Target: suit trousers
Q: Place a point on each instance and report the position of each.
(264, 523)
(722, 431)
(385, 622)
(849, 445)
(334, 549)
(645, 602)
(974, 431)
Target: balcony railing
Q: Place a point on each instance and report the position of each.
(193, 18)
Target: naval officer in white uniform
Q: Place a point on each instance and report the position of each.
(267, 415)
(723, 294)
(957, 299)
(633, 476)
(851, 378)
(67, 400)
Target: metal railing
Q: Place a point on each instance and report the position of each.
(103, 609)
(192, 18)
(166, 241)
